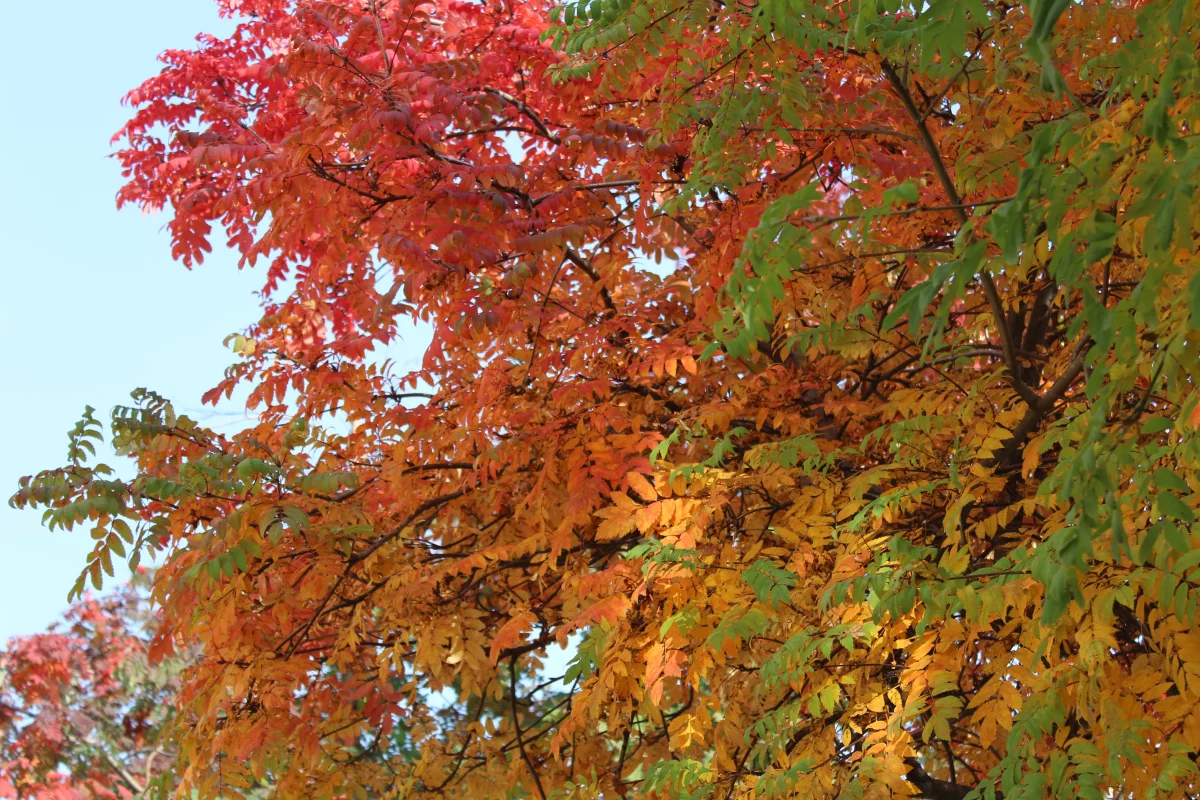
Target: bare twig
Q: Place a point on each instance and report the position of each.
(521, 106)
(537, 780)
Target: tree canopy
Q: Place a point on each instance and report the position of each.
(822, 374)
(84, 715)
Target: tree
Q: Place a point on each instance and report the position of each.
(82, 712)
(822, 373)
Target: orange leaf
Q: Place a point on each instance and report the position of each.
(641, 487)
(609, 609)
(511, 632)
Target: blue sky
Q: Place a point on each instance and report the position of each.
(92, 305)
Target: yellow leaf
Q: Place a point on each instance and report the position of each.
(641, 487)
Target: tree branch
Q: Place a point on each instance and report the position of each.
(985, 275)
(586, 268)
(512, 672)
(528, 112)
(933, 788)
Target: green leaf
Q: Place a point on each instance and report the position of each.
(1146, 548)
(251, 468)
(1186, 562)
(114, 543)
(1175, 537)
(907, 192)
(1171, 505)
(1058, 596)
(297, 518)
(914, 303)
(739, 624)
(771, 584)
(1155, 425)
(1045, 14)
(123, 530)
(239, 558)
(588, 655)
(1166, 479)
(1194, 300)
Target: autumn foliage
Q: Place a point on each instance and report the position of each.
(83, 714)
(821, 374)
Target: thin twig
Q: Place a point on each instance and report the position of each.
(512, 672)
(528, 112)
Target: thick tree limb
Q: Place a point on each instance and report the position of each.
(933, 788)
(985, 275)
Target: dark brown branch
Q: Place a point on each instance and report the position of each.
(985, 275)
(933, 788)
(1009, 455)
(421, 509)
(398, 396)
(914, 210)
(941, 95)
(527, 112)
(586, 268)
(537, 780)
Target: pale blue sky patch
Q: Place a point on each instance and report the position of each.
(92, 305)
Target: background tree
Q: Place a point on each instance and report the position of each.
(881, 482)
(83, 714)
